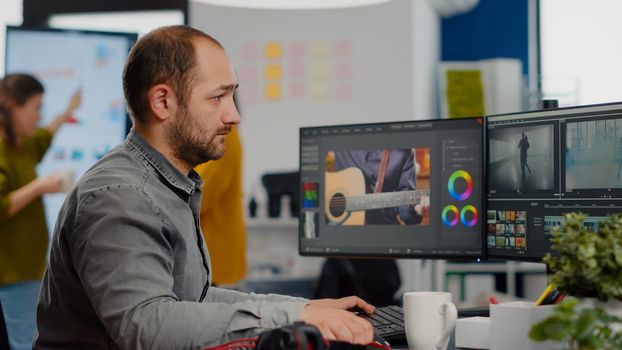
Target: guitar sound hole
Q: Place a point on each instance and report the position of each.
(337, 205)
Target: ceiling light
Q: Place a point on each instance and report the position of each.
(292, 4)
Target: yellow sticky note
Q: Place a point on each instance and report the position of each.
(272, 91)
(319, 49)
(273, 72)
(465, 93)
(319, 89)
(273, 50)
(319, 70)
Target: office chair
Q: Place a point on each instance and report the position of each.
(4, 336)
(374, 280)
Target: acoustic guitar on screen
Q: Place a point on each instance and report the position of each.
(346, 200)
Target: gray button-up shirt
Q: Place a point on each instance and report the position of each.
(129, 269)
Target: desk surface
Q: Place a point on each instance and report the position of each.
(451, 346)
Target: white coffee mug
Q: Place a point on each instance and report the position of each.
(429, 318)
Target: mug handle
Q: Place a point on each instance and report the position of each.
(451, 314)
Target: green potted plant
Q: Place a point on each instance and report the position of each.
(586, 329)
(587, 264)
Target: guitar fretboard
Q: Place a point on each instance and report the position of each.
(384, 200)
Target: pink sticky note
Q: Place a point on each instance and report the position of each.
(343, 70)
(344, 92)
(296, 50)
(297, 89)
(343, 48)
(249, 52)
(297, 69)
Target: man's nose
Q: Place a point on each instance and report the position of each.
(232, 116)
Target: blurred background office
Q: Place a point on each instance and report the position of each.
(368, 61)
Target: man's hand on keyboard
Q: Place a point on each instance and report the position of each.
(335, 323)
(347, 303)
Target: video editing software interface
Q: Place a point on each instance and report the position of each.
(544, 164)
(404, 189)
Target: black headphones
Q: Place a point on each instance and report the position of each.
(302, 336)
(298, 336)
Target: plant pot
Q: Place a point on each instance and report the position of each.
(611, 307)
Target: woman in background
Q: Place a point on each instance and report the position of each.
(23, 229)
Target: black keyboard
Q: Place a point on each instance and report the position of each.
(388, 321)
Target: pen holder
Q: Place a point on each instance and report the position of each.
(510, 324)
(473, 333)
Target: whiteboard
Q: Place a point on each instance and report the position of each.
(311, 67)
(90, 61)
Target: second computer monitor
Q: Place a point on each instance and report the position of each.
(544, 164)
(405, 189)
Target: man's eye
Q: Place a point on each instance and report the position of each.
(219, 97)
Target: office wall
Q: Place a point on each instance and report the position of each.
(580, 59)
(319, 67)
(384, 79)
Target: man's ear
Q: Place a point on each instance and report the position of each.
(162, 101)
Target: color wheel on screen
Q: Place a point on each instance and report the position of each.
(451, 185)
(450, 215)
(463, 216)
(467, 214)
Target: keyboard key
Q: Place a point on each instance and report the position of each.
(388, 322)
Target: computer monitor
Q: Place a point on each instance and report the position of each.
(544, 164)
(351, 207)
(64, 61)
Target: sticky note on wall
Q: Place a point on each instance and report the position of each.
(272, 91)
(465, 93)
(273, 72)
(273, 50)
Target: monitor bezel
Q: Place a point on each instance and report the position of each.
(458, 258)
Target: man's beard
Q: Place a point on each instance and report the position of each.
(192, 144)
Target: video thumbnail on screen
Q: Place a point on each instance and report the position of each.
(377, 187)
(521, 158)
(594, 154)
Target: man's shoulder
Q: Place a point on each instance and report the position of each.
(119, 169)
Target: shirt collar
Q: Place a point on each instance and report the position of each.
(189, 184)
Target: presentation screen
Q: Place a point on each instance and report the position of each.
(66, 61)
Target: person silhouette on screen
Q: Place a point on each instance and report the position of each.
(523, 146)
(128, 266)
(23, 229)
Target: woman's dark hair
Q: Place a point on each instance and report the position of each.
(15, 90)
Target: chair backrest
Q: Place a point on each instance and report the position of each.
(4, 337)
(375, 280)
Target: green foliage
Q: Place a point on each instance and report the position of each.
(589, 264)
(589, 329)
